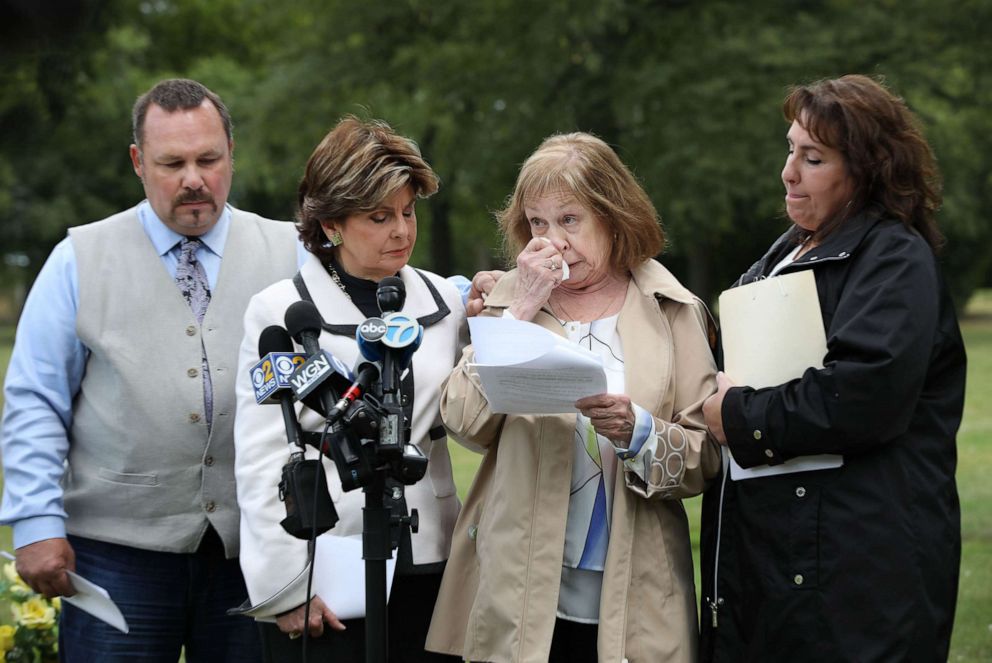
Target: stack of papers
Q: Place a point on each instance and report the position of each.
(526, 369)
(338, 579)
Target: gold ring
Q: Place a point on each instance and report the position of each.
(293, 635)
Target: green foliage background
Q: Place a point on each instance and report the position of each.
(688, 91)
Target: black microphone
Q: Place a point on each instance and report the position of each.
(304, 323)
(318, 380)
(305, 513)
(390, 295)
(275, 339)
(367, 374)
(392, 341)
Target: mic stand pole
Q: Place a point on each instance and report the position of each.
(376, 549)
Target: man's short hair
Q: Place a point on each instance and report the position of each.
(176, 94)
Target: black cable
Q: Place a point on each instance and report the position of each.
(312, 543)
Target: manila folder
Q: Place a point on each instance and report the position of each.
(772, 332)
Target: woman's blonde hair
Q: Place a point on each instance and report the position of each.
(585, 167)
(355, 167)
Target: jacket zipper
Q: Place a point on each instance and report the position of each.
(715, 602)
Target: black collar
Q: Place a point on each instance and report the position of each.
(838, 245)
(350, 330)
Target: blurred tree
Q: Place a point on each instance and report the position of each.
(688, 93)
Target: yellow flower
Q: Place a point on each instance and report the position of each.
(6, 638)
(56, 603)
(17, 585)
(34, 613)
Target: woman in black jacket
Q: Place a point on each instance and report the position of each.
(859, 562)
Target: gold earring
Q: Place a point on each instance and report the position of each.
(336, 238)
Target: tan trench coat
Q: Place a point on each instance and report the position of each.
(500, 590)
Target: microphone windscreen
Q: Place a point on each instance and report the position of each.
(302, 317)
(390, 294)
(274, 339)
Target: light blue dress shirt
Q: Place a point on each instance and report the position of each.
(45, 372)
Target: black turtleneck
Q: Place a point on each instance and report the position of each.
(361, 291)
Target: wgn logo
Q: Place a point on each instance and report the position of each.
(314, 370)
(401, 330)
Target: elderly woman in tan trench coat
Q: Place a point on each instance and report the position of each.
(573, 544)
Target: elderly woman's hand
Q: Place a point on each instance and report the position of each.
(612, 415)
(539, 268)
(713, 408)
(482, 284)
(291, 623)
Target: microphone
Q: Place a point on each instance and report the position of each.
(403, 335)
(390, 295)
(305, 513)
(304, 323)
(392, 340)
(394, 330)
(367, 374)
(270, 377)
(369, 337)
(317, 380)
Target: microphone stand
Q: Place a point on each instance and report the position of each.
(385, 451)
(377, 519)
(376, 549)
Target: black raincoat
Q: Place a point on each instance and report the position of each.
(858, 563)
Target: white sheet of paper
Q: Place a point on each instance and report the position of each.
(95, 600)
(526, 369)
(773, 332)
(91, 598)
(339, 578)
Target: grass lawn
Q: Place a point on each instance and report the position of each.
(972, 640)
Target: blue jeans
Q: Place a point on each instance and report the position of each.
(170, 601)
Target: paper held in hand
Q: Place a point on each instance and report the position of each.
(91, 598)
(338, 579)
(772, 332)
(526, 369)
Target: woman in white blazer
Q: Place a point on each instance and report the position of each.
(357, 218)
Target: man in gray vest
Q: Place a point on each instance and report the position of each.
(117, 427)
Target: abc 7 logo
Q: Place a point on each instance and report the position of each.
(401, 331)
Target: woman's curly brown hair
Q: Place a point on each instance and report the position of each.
(882, 142)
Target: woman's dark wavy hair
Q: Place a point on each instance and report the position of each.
(887, 156)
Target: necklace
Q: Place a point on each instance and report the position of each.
(337, 279)
(565, 316)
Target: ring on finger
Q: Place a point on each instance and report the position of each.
(293, 635)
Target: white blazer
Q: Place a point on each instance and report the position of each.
(273, 562)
